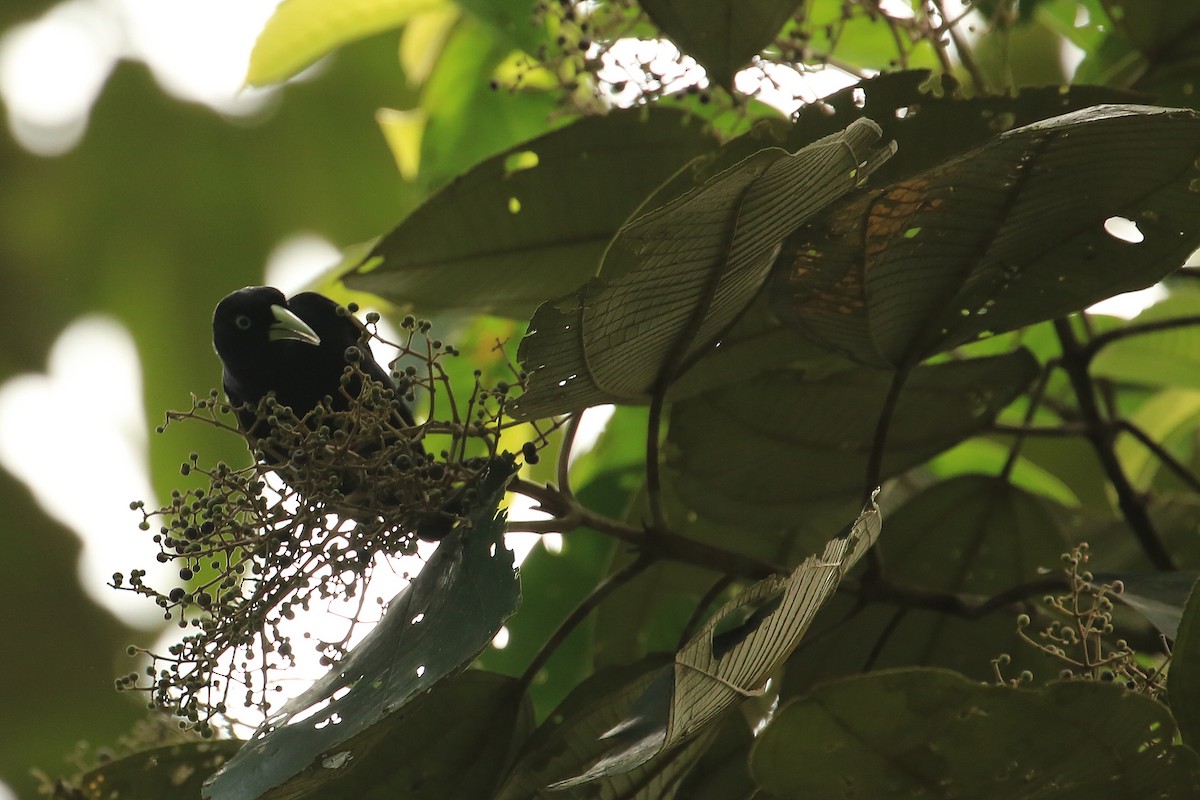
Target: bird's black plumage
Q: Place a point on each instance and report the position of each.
(295, 348)
(299, 349)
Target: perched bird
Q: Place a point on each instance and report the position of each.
(299, 349)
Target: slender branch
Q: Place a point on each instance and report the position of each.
(564, 455)
(714, 591)
(1064, 430)
(1163, 455)
(884, 637)
(658, 516)
(606, 587)
(570, 515)
(1105, 339)
(875, 461)
(1102, 435)
(960, 46)
(965, 606)
(1035, 400)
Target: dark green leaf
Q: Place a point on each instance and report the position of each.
(1183, 681)
(434, 627)
(787, 437)
(532, 222)
(452, 741)
(721, 34)
(176, 771)
(1007, 235)
(935, 733)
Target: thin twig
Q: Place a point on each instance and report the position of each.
(1035, 400)
(964, 606)
(884, 637)
(714, 591)
(1108, 337)
(564, 455)
(606, 587)
(961, 47)
(1065, 430)
(1102, 435)
(875, 461)
(658, 516)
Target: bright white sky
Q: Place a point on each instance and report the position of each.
(51, 71)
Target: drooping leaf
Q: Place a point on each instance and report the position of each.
(678, 276)
(913, 733)
(714, 671)
(1012, 233)
(571, 737)
(510, 232)
(1158, 596)
(721, 34)
(1183, 681)
(433, 628)
(972, 536)
(301, 31)
(787, 437)
(452, 741)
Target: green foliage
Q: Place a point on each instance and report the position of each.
(882, 299)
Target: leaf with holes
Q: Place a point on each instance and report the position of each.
(675, 278)
(1041, 221)
(434, 627)
(719, 667)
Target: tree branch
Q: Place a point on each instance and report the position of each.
(1101, 435)
(1103, 340)
(1163, 455)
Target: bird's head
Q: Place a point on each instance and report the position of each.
(249, 326)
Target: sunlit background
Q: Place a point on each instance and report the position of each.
(53, 68)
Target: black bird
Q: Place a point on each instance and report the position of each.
(298, 348)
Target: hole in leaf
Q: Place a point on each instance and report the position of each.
(514, 205)
(500, 640)
(517, 162)
(1124, 229)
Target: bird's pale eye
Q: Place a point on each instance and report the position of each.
(243, 322)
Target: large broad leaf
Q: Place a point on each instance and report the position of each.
(787, 437)
(916, 110)
(721, 34)
(455, 741)
(718, 668)
(434, 627)
(532, 222)
(1183, 681)
(934, 733)
(1015, 232)
(301, 31)
(677, 277)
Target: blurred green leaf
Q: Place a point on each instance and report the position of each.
(302, 31)
(961, 251)
(1158, 596)
(675, 278)
(175, 771)
(911, 732)
(467, 248)
(431, 629)
(1162, 358)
